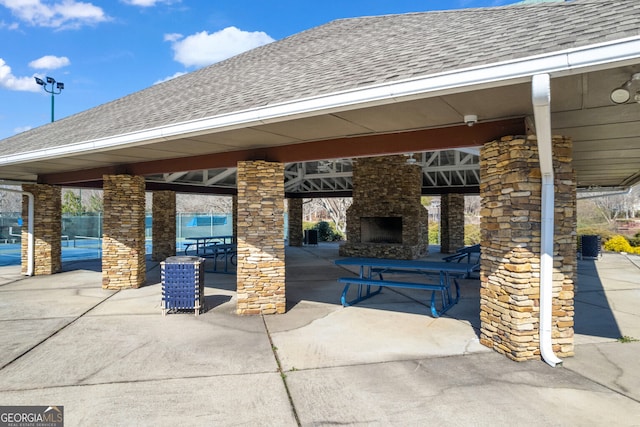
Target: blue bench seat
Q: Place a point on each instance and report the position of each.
(442, 287)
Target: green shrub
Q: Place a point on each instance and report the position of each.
(327, 232)
(620, 243)
(471, 234)
(604, 233)
(434, 233)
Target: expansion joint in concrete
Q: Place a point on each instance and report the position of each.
(54, 333)
(283, 375)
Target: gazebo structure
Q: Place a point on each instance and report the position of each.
(524, 104)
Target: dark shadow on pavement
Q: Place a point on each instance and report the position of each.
(593, 314)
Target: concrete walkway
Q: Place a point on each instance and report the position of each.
(110, 358)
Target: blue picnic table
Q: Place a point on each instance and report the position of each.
(434, 276)
(206, 243)
(227, 252)
(462, 253)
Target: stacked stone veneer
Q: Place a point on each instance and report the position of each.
(387, 187)
(47, 229)
(295, 222)
(123, 251)
(164, 225)
(261, 263)
(451, 222)
(510, 264)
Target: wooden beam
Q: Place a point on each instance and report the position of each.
(346, 147)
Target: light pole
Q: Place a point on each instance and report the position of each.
(54, 85)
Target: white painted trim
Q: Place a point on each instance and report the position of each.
(571, 61)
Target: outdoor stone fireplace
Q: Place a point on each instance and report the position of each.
(381, 229)
(386, 219)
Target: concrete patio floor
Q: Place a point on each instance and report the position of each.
(111, 358)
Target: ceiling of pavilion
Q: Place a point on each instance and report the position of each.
(443, 171)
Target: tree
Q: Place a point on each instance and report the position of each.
(10, 201)
(72, 203)
(617, 206)
(334, 208)
(95, 204)
(203, 203)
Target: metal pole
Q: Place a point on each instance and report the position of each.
(51, 103)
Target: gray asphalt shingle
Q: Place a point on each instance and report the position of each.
(346, 54)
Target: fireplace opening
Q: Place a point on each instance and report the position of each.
(379, 229)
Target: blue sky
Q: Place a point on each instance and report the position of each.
(103, 50)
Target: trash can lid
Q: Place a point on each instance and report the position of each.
(183, 259)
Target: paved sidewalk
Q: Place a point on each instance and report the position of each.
(111, 358)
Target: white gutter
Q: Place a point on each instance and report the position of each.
(30, 246)
(587, 58)
(605, 194)
(541, 98)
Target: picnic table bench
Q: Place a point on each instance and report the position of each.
(463, 253)
(227, 251)
(436, 277)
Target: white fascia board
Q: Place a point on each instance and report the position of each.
(582, 59)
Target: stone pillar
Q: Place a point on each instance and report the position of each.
(164, 225)
(510, 191)
(295, 222)
(451, 222)
(123, 239)
(47, 229)
(260, 268)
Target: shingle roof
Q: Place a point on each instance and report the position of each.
(346, 54)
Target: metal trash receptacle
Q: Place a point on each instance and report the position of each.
(590, 246)
(311, 237)
(182, 283)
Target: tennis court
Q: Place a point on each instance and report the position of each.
(72, 250)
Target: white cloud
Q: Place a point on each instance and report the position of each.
(202, 48)
(60, 14)
(11, 82)
(22, 129)
(178, 74)
(146, 3)
(12, 26)
(172, 37)
(50, 62)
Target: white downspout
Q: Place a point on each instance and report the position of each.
(541, 98)
(30, 246)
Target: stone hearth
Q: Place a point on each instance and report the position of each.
(386, 219)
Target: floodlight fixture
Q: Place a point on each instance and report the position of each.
(622, 94)
(56, 89)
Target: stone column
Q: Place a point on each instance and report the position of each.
(47, 229)
(451, 222)
(123, 239)
(510, 191)
(260, 269)
(295, 222)
(164, 225)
